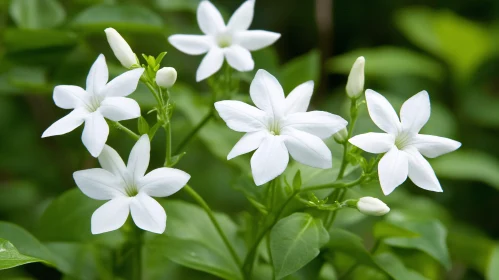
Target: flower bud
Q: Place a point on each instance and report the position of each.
(121, 49)
(166, 77)
(355, 83)
(372, 206)
(341, 136)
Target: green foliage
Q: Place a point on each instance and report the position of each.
(396, 268)
(10, 257)
(344, 241)
(37, 14)
(303, 68)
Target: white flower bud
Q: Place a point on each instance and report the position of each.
(166, 77)
(355, 83)
(121, 49)
(372, 206)
(341, 136)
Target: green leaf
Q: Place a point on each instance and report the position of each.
(395, 267)
(295, 241)
(493, 265)
(143, 126)
(36, 14)
(384, 229)
(177, 5)
(10, 257)
(300, 70)
(351, 244)
(297, 181)
(17, 40)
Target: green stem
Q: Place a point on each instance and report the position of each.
(125, 129)
(335, 185)
(193, 133)
(353, 120)
(168, 132)
(329, 224)
(137, 257)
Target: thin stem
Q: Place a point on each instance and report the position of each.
(353, 120)
(329, 224)
(344, 162)
(125, 129)
(137, 257)
(334, 185)
(168, 132)
(271, 260)
(193, 133)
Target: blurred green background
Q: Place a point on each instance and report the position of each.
(449, 48)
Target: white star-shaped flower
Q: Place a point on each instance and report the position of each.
(278, 126)
(128, 189)
(98, 101)
(233, 41)
(402, 143)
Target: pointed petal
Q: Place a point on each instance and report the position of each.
(66, 124)
(373, 142)
(239, 58)
(249, 142)
(210, 20)
(270, 160)
(434, 146)
(267, 93)
(148, 214)
(138, 161)
(415, 112)
(240, 116)
(211, 63)
(123, 85)
(111, 216)
(70, 97)
(307, 148)
(119, 108)
(95, 133)
(191, 44)
(242, 17)
(98, 183)
(382, 112)
(299, 98)
(318, 123)
(98, 75)
(111, 161)
(392, 170)
(163, 182)
(421, 173)
(256, 39)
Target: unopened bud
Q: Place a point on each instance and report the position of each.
(341, 136)
(166, 77)
(372, 206)
(355, 83)
(121, 49)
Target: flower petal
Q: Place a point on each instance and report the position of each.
(210, 20)
(373, 142)
(163, 182)
(421, 173)
(318, 123)
(382, 112)
(138, 161)
(415, 112)
(70, 97)
(66, 124)
(148, 214)
(239, 58)
(98, 75)
(434, 146)
(119, 108)
(270, 160)
(191, 44)
(242, 17)
(307, 148)
(98, 183)
(299, 98)
(123, 85)
(392, 170)
(111, 216)
(267, 93)
(256, 39)
(111, 161)
(95, 133)
(249, 142)
(211, 63)
(240, 116)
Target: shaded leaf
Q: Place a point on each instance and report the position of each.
(299, 70)
(36, 14)
(395, 267)
(10, 257)
(351, 244)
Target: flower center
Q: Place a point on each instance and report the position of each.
(131, 190)
(224, 40)
(274, 127)
(94, 103)
(402, 140)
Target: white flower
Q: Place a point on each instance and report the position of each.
(402, 143)
(99, 100)
(233, 41)
(372, 206)
(355, 83)
(121, 49)
(128, 189)
(166, 77)
(278, 125)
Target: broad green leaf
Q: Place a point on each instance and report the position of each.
(395, 267)
(177, 5)
(493, 265)
(17, 40)
(350, 244)
(480, 97)
(299, 70)
(10, 257)
(37, 14)
(295, 241)
(384, 229)
(29, 79)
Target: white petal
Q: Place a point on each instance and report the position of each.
(299, 98)
(70, 97)
(256, 39)
(98, 75)
(66, 124)
(138, 161)
(392, 170)
(209, 18)
(373, 142)
(270, 160)
(421, 173)
(239, 58)
(119, 108)
(415, 112)
(318, 123)
(163, 182)
(242, 17)
(148, 214)
(240, 116)
(123, 85)
(95, 133)
(111, 161)
(98, 183)
(267, 93)
(382, 112)
(434, 146)
(191, 44)
(249, 142)
(111, 216)
(307, 148)
(211, 63)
